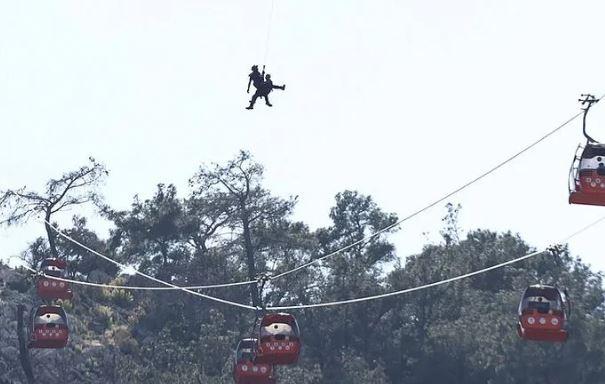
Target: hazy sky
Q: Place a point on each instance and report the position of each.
(403, 100)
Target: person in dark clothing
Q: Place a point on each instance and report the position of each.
(256, 78)
(268, 87)
(264, 91)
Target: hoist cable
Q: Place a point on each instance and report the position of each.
(268, 39)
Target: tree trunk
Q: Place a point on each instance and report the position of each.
(250, 260)
(345, 328)
(163, 272)
(50, 233)
(23, 351)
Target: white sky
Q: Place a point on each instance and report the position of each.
(403, 100)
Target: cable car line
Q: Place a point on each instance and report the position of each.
(437, 283)
(431, 205)
(583, 229)
(371, 236)
(416, 213)
(135, 288)
(131, 287)
(384, 295)
(341, 302)
(144, 274)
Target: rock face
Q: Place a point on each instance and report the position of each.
(70, 365)
(10, 369)
(102, 346)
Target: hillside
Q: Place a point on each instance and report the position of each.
(224, 232)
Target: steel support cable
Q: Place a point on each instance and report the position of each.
(131, 287)
(434, 203)
(342, 302)
(145, 275)
(437, 283)
(412, 215)
(369, 237)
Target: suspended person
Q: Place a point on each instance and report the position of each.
(264, 91)
(256, 78)
(268, 87)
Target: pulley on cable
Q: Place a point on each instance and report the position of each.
(587, 175)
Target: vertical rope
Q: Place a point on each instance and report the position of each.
(267, 41)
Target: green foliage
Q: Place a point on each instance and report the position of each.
(356, 370)
(230, 227)
(118, 297)
(103, 315)
(20, 285)
(122, 337)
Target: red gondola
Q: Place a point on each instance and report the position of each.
(51, 289)
(49, 328)
(587, 177)
(542, 314)
(246, 369)
(279, 339)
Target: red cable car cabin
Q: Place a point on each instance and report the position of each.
(49, 328)
(587, 176)
(51, 289)
(542, 314)
(246, 369)
(279, 339)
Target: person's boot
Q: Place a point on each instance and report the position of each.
(269, 104)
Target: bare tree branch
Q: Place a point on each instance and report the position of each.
(73, 188)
